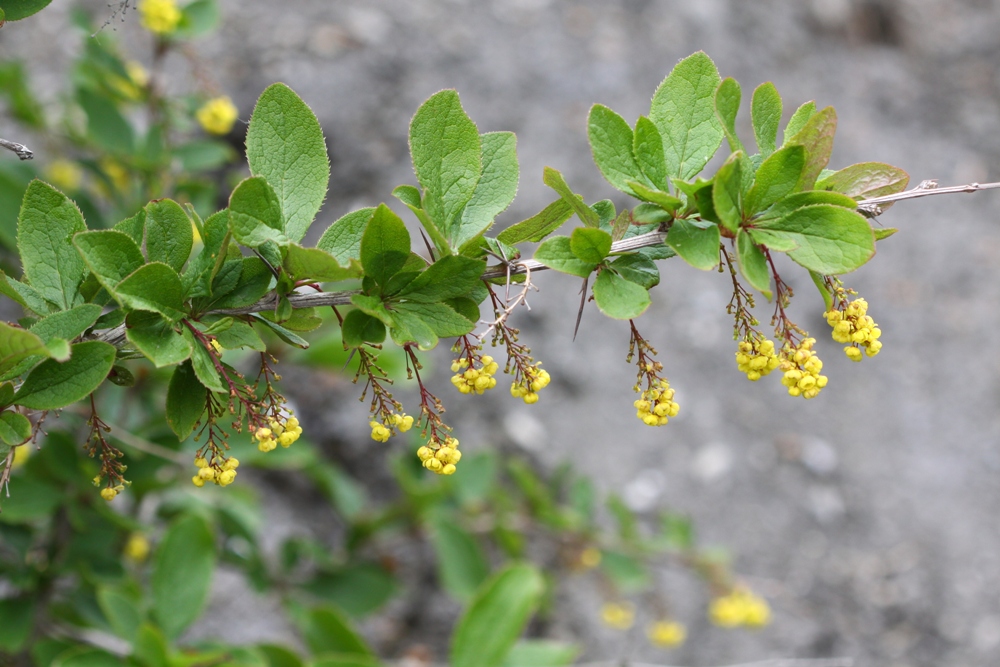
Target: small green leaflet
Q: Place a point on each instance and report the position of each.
(727, 105)
(866, 180)
(828, 239)
(53, 385)
(447, 156)
(495, 191)
(169, 233)
(777, 177)
(619, 298)
(255, 213)
(752, 263)
(554, 180)
(45, 228)
(343, 238)
(590, 245)
(683, 110)
(538, 226)
(611, 141)
(186, 401)
(385, 245)
(727, 192)
(557, 253)
(816, 136)
(285, 146)
(765, 113)
(698, 246)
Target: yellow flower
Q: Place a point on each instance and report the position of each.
(590, 557)
(666, 633)
(159, 16)
(740, 607)
(64, 174)
(21, 455)
(137, 547)
(137, 73)
(108, 493)
(217, 115)
(115, 172)
(619, 616)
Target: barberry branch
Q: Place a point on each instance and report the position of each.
(22, 151)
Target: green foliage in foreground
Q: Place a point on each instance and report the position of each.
(172, 305)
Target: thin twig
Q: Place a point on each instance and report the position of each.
(128, 439)
(511, 305)
(22, 151)
(870, 207)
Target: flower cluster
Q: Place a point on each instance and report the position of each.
(381, 432)
(220, 471)
(756, 357)
(618, 615)
(666, 633)
(109, 493)
(159, 16)
(533, 379)
(801, 367)
(853, 326)
(740, 607)
(217, 115)
(656, 405)
(440, 456)
(471, 380)
(277, 433)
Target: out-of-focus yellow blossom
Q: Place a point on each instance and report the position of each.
(21, 455)
(618, 615)
(160, 17)
(64, 174)
(137, 547)
(217, 115)
(666, 633)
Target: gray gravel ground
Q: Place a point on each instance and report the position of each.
(867, 516)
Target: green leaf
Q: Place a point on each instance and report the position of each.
(156, 339)
(58, 348)
(150, 647)
(449, 277)
(360, 327)
(611, 141)
(790, 203)
(14, 427)
(285, 145)
(697, 246)
(111, 255)
(462, 566)
(495, 190)
(45, 229)
(342, 239)
(53, 385)
(541, 653)
(408, 327)
(169, 234)
(120, 611)
(683, 110)
(255, 215)
(385, 246)
(198, 18)
(828, 239)
(866, 180)
(253, 283)
(326, 630)
(777, 177)
(618, 298)
(344, 660)
(496, 616)
(554, 180)
(17, 617)
(67, 324)
(279, 656)
(556, 253)
(727, 197)
(30, 500)
(153, 287)
(241, 335)
(410, 196)
(637, 269)
(441, 318)
(752, 263)
(765, 113)
(798, 121)
(16, 345)
(202, 269)
(186, 401)
(883, 232)
(358, 589)
(15, 10)
(647, 145)
(538, 226)
(106, 126)
(182, 574)
(203, 365)
(447, 157)
(314, 264)
(820, 282)
(284, 334)
(627, 573)
(135, 226)
(28, 297)
(590, 245)
(816, 136)
(727, 105)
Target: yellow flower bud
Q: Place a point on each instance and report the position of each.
(217, 115)
(108, 494)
